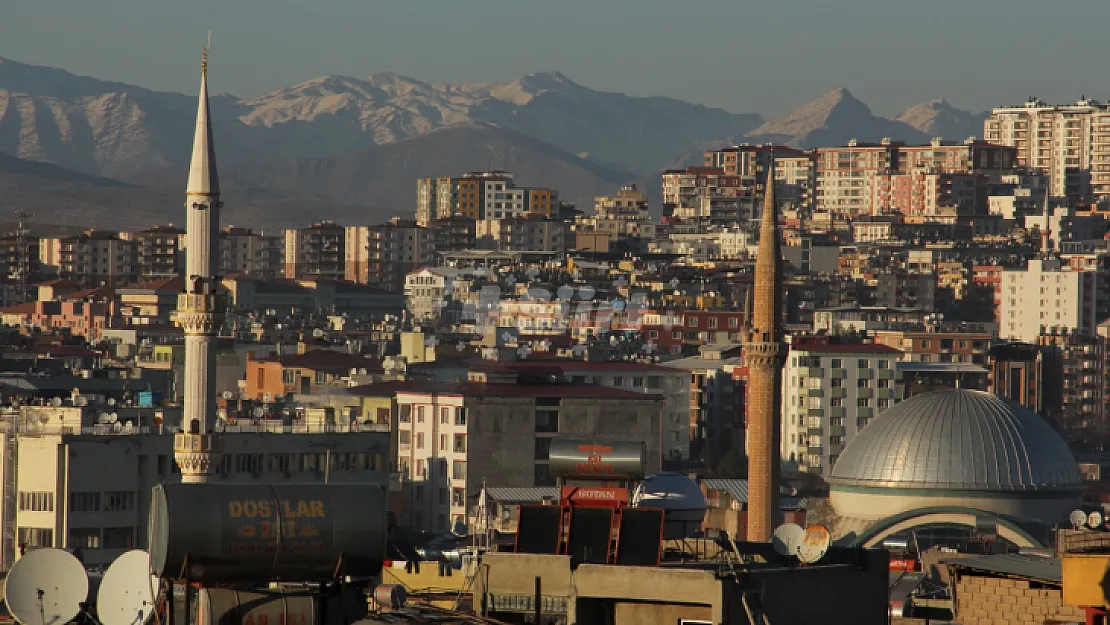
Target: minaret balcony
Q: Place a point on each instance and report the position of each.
(210, 303)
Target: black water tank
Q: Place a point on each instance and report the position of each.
(242, 533)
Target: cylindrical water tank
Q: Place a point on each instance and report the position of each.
(597, 460)
(390, 595)
(244, 533)
(279, 606)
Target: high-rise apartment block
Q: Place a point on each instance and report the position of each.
(709, 195)
(1048, 295)
(831, 391)
(161, 251)
(862, 179)
(481, 195)
(1070, 143)
(315, 252)
(92, 258)
(385, 253)
(247, 253)
(795, 171)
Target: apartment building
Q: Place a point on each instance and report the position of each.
(621, 216)
(426, 291)
(481, 195)
(708, 194)
(533, 233)
(453, 234)
(938, 345)
(317, 251)
(92, 258)
(454, 436)
(272, 377)
(1048, 294)
(161, 251)
(830, 391)
(1070, 143)
(715, 245)
(795, 171)
(383, 254)
(247, 253)
(71, 480)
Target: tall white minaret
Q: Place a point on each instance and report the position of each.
(200, 308)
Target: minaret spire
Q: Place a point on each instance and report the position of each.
(764, 353)
(200, 307)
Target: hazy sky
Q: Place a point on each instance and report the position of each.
(736, 54)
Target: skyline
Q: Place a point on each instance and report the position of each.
(892, 59)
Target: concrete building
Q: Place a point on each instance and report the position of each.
(317, 251)
(524, 234)
(161, 251)
(830, 392)
(383, 254)
(92, 258)
(1017, 373)
(1070, 143)
(248, 253)
(1046, 294)
(704, 247)
(481, 195)
(272, 377)
(426, 291)
(795, 171)
(71, 482)
(716, 401)
(938, 344)
(708, 195)
(453, 436)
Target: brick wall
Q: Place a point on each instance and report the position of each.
(997, 601)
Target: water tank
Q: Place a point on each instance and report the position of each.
(244, 533)
(280, 606)
(597, 460)
(681, 499)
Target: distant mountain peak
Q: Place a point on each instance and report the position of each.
(938, 118)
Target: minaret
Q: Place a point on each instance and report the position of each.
(764, 352)
(200, 308)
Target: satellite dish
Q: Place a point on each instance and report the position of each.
(44, 418)
(1094, 519)
(56, 402)
(815, 543)
(126, 595)
(786, 539)
(46, 586)
(81, 401)
(1078, 519)
(117, 427)
(228, 395)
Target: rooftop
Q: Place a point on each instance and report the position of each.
(477, 389)
(1023, 565)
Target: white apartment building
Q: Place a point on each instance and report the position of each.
(69, 482)
(830, 392)
(706, 247)
(1070, 143)
(533, 316)
(1048, 294)
(427, 289)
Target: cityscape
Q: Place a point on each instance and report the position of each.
(528, 352)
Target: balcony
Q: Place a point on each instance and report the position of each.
(836, 430)
(885, 393)
(865, 392)
(838, 373)
(816, 412)
(886, 374)
(815, 431)
(815, 392)
(866, 374)
(864, 413)
(838, 411)
(814, 450)
(840, 392)
(813, 372)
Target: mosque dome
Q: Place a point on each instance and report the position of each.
(958, 440)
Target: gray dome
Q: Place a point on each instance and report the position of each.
(958, 440)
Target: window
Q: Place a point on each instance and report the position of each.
(884, 403)
(837, 363)
(836, 382)
(442, 442)
(712, 323)
(460, 416)
(543, 475)
(420, 440)
(733, 322)
(618, 380)
(884, 383)
(420, 414)
(863, 363)
(547, 421)
(458, 497)
(884, 364)
(863, 383)
(123, 500)
(404, 437)
(36, 537)
(654, 382)
(36, 501)
(836, 440)
(638, 382)
(119, 537)
(460, 444)
(543, 448)
(84, 538)
(863, 402)
(84, 502)
(836, 402)
(862, 422)
(405, 415)
(458, 470)
(421, 472)
(444, 415)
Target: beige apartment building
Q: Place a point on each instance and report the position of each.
(384, 253)
(92, 258)
(315, 252)
(249, 253)
(795, 171)
(481, 195)
(1070, 143)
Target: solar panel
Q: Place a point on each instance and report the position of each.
(641, 535)
(538, 530)
(590, 533)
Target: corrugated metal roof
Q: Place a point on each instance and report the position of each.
(737, 489)
(1015, 564)
(521, 494)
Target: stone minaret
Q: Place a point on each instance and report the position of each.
(200, 308)
(764, 352)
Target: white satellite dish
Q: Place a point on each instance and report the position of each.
(45, 587)
(56, 402)
(126, 595)
(116, 427)
(786, 539)
(1078, 519)
(81, 401)
(111, 401)
(1094, 519)
(815, 543)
